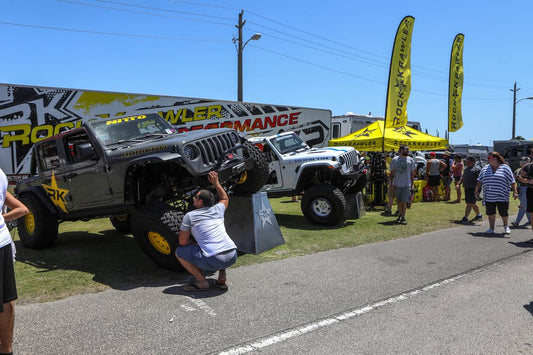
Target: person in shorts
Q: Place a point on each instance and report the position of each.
(522, 195)
(457, 172)
(8, 287)
(447, 174)
(433, 171)
(212, 249)
(402, 173)
(469, 180)
(497, 179)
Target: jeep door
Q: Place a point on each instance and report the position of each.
(86, 174)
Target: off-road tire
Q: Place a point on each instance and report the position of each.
(156, 230)
(324, 205)
(257, 176)
(38, 229)
(122, 223)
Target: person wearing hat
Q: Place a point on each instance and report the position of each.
(433, 170)
(522, 195)
(469, 181)
(447, 174)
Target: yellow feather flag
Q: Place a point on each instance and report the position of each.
(399, 85)
(455, 87)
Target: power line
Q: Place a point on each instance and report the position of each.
(145, 13)
(110, 33)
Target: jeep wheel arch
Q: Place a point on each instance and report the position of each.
(156, 230)
(38, 229)
(324, 204)
(257, 176)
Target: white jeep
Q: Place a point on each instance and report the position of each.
(323, 175)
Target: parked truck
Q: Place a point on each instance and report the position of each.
(138, 171)
(512, 150)
(30, 114)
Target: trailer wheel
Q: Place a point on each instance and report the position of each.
(38, 229)
(122, 223)
(254, 179)
(156, 230)
(323, 204)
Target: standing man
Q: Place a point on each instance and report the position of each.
(447, 175)
(214, 250)
(402, 172)
(469, 181)
(526, 177)
(8, 287)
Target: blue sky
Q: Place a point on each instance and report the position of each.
(322, 54)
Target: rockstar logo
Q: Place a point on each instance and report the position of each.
(264, 215)
(56, 194)
(405, 132)
(365, 133)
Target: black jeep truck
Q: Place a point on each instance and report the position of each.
(136, 170)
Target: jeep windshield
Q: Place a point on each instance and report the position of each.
(131, 129)
(288, 143)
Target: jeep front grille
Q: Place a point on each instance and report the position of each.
(212, 148)
(350, 159)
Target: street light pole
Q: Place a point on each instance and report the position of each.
(515, 101)
(240, 49)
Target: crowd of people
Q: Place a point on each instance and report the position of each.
(496, 181)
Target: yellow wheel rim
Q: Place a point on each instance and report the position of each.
(159, 242)
(29, 223)
(243, 178)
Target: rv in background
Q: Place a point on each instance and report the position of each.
(513, 149)
(343, 125)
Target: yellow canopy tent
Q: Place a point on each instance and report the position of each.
(370, 139)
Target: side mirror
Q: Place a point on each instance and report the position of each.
(86, 151)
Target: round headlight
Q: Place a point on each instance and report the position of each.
(189, 152)
(342, 160)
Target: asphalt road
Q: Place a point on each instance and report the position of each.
(453, 291)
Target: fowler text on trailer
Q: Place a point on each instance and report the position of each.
(343, 125)
(29, 114)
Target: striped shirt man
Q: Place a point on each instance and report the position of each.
(496, 184)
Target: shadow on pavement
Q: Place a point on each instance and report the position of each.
(111, 257)
(212, 292)
(529, 307)
(485, 235)
(526, 244)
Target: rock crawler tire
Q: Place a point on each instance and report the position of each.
(122, 223)
(156, 230)
(257, 176)
(38, 229)
(323, 204)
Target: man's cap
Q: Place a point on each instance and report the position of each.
(447, 153)
(433, 154)
(470, 158)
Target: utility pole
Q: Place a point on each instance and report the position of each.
(239, 26)
(514, 90)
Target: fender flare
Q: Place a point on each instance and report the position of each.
(37, 191)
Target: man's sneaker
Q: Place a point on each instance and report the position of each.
(464, 220)
(507, 230)
(489, 231)
(527, 224)
(403, 221)
(514, 224)
(477, 218)
(398, 220)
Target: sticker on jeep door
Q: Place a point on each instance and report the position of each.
(56, 194)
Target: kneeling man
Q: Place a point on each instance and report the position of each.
(214, 249)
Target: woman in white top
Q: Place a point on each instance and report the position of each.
(8, 290)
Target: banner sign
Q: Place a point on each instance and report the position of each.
(455, 87)
(399, 84)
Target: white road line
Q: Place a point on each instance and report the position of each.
(264, 342)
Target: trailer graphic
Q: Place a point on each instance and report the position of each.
(30, 114)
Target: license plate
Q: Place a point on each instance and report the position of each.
(239, 168)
